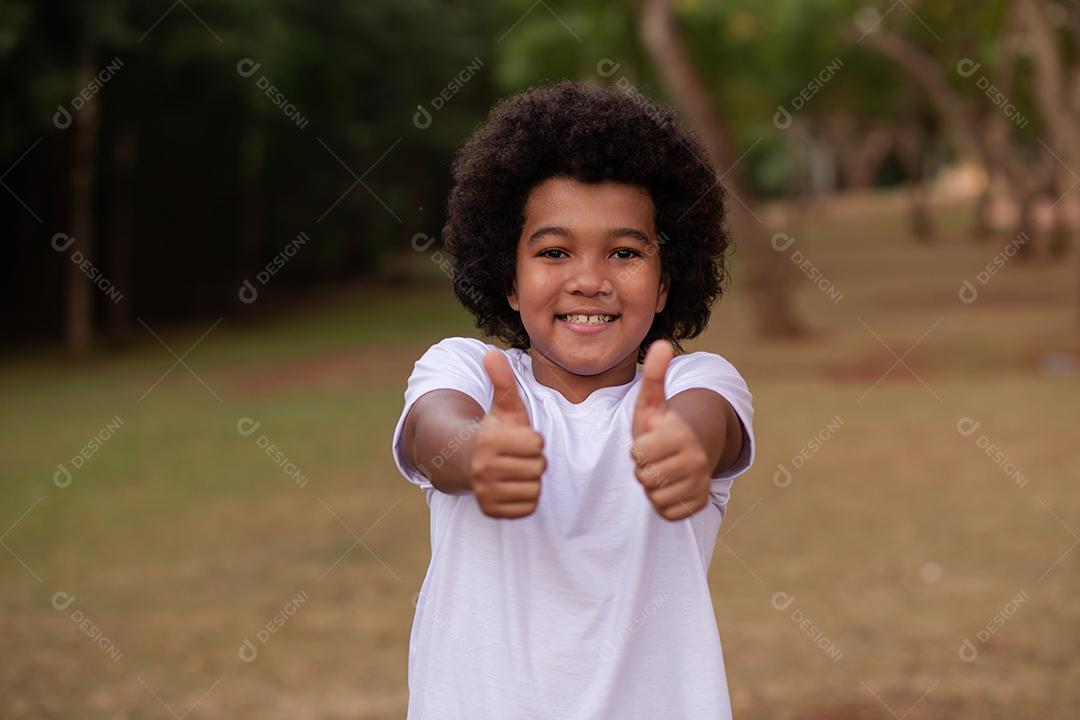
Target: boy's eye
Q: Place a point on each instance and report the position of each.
(621, 253)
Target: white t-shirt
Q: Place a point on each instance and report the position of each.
(594, 607)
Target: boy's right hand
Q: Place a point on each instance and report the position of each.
(507, 461)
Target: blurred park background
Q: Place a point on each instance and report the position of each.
(222, 224)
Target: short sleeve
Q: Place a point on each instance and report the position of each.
(455, 363)
(713, 372)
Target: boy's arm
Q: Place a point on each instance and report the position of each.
(440, 431)
(715, 423)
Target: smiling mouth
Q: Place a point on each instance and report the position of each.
(588, 319)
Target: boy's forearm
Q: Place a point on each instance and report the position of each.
(439, 437)
(715, 423)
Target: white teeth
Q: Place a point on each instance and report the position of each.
(589, 319)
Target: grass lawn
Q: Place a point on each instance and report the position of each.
(129, 587)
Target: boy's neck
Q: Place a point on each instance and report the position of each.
(574, 387)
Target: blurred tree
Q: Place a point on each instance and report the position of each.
(184, 177)
(1057, 91)
(770, 277)
(962, 101)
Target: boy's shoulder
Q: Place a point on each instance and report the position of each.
(461, 354)
(700, 359)
(702, 369)
(462, 346)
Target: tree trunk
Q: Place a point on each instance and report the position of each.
(1060, 230)
(981, 227)
(862, 157)
(120, 241)
(923, 68)
(910, 143)
(252, 211)
(1026, 227)
(770, 277)
(1050, 87)
(1056, 96)
(799, 146)
(84, 151)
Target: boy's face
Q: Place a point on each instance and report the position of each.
(588, 249)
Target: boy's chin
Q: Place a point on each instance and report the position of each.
(587, 363)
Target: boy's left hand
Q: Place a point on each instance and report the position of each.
(672, 465)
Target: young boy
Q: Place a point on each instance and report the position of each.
(575, 499)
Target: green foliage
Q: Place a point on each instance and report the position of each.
(225, 178)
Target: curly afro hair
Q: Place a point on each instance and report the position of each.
(590, 134)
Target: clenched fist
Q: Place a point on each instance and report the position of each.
(671, 463)
(506, 462)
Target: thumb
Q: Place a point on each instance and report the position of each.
(506, 404)
(651, 400)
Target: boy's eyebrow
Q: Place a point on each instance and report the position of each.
(548, 230)
(630, 233)
(561, 231)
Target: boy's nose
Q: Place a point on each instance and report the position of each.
(589, 280)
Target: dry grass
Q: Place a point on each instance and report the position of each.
(898, 538)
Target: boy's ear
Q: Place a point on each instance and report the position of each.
(661, 296)
(512, 298)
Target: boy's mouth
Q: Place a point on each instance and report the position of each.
(587, 319)
(588, 322)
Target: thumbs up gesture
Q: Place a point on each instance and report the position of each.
(506, 462)
(671, 463)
